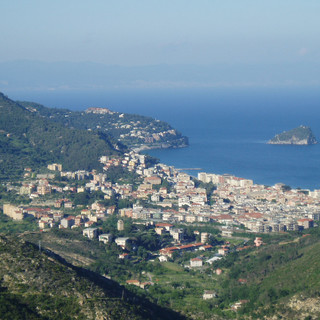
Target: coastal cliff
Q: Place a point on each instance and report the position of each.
(298, 136)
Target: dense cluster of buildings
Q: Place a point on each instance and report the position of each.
(135, 129)
(261, 208)
(174, 196)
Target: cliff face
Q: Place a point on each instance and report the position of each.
(298, 136)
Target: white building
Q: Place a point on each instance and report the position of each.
(196, 262)
(208, 294)
(105, 238)
(122, 241)
(91, 233)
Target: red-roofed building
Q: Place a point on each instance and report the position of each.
(68, 222)
(188, 247)
(196, 262)
(89, 224)
(242, 281)
(166, 226)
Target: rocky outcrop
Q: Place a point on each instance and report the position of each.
(298, 136)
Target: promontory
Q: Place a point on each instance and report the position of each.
(298, 136)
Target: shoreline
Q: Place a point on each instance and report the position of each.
(148, 147)
(162, 146)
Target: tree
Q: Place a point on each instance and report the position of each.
(81, 198)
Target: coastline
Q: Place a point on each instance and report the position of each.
(145, 147)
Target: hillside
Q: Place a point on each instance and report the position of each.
(298, 136)
(28, 139)
(279, 278)
(131, 130)
(41, 285)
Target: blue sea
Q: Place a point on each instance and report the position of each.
(227, 128)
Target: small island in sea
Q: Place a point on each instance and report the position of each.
(299, 136)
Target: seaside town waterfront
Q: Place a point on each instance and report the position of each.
(172, 197)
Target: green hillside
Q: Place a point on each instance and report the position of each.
(131, 130)
(28, 139)
(41, 285)
(277, 278)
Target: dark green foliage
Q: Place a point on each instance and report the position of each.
(82, 198)
(30, 140)
(210, 187)
(151, 161)
(285, 188)
(112, 125)
(272, 274)
(42, 285)
(294, 136)
(164, 184)
(9, 226)
(12, 308)
(122, 175)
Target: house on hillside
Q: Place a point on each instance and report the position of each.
(208, 294)
(163, 258)
(124, 256)
(91, 233)
(196, 262)
(67, 222)
(105, 237)
(122, 242)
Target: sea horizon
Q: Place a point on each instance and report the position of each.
(228, 128)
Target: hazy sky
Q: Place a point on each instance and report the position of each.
(144, 32)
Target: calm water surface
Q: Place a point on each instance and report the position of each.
(227, 129)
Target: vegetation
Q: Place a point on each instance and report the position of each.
(210, 187)
(60, 274)
(29, 140)
(115, 126)
(273, 274)
(41, 285)
(9, 226)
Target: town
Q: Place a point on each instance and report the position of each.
(172, 196)
(177, 223)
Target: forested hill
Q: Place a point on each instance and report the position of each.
(28, 139)
(37, 284)
(131, 130)
(299, 136)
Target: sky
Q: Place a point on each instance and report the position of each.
(149, 32)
